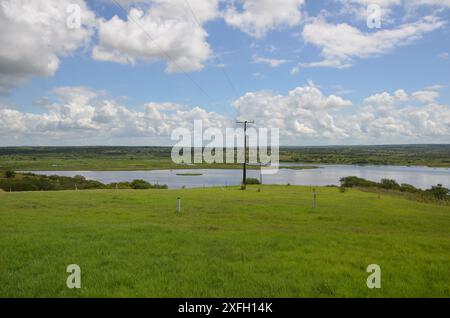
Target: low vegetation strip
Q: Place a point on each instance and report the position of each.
(134, 243)
(12, 181)
(436, 193)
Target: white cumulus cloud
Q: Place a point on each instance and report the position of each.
(168, 30)
(257, 17)
(34, 35)
(341, 43)
(307, 116)
(272, 62)
(304, 111)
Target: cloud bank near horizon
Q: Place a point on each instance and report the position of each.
(305, 115)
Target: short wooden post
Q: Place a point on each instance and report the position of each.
(314, 201)
(179, 204)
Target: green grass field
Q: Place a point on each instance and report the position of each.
(225, 243)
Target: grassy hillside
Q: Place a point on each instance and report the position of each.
(226, 242)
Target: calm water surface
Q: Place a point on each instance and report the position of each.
(421, 177)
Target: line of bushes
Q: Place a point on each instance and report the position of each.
(33, 182)
(251, 181)
(437, 192)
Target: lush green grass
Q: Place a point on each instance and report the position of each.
(226, 242)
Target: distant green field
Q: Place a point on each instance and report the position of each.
(225, 243)
(151, 158)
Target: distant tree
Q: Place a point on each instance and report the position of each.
(353, 181)
(79, 179)
(389, 184)
(139, 184)
(10, 174)
(439, 192)
(404, 187)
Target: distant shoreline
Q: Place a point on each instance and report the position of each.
(114, 158)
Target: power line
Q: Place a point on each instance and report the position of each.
(164, 52)
(225, 73)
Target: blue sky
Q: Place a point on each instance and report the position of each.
(409, 52)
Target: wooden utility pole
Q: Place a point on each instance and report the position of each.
(244, 173)
(260, 177)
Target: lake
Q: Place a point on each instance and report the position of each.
(420, 177)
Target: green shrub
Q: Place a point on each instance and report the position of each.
(118, 185)
(251, 181)
(33, 182)
(404, 187)
(25, 184)
(139, 184)
(10, 174)
(389, 184)
(439, 192)
(352, 181)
